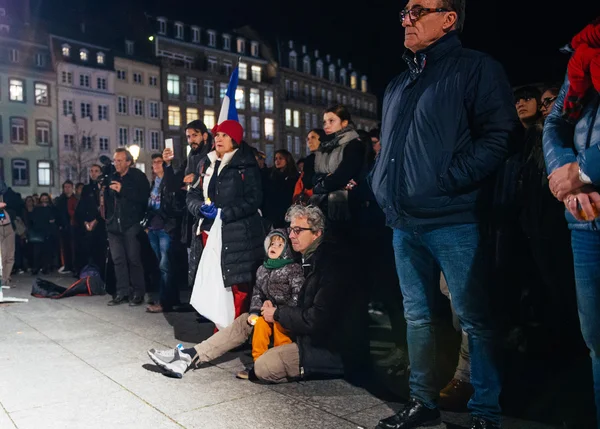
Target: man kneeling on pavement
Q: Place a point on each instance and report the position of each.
(315, 325)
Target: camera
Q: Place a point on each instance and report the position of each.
(108, 172)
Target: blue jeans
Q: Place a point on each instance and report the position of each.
(586, 256)
(457, 250)
(161, 243)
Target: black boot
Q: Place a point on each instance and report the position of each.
(479, 423)
(117, 300)
(413, 415)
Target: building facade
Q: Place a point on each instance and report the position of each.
(86, 105)
(28, 119)
(196, 65)
(309, 84)
(139, 110)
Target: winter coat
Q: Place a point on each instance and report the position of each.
(88, 208)
(239, 196)
(43, 222)
(127, 208)
(445, 131)
(172, 203)
(64, 207)
(317, 322)
(280, 286)
(278, 193)
(565, 143)
(14, 203)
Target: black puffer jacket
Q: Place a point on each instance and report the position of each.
(128, 207)
(282, 285)
(318, 322)
(239, 196)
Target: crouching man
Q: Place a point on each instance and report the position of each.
(313, 325)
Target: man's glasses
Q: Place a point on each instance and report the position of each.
(546, 102)
(297, 230)
(416, 13)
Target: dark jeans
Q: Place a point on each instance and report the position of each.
(66, 247)
(43, 254)
(161, 245)
(586, 255)
(458, 251)
(126, 255)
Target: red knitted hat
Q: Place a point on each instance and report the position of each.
(230, 127)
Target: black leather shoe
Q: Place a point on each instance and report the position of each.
(117, 300)
(415, 414)
(137, 300)
(479, 423)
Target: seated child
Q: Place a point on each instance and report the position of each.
(279, 281)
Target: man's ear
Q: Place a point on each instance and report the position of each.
(450, 21)
(205, 137)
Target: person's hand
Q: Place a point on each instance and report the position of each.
(209, 211)
(115, 186)
(91, 225)
(267, 304)
(2, 205)
(168, 155)
(189, 178)
(268, 313)
(351, 184)
(565, 180)
(583, 205)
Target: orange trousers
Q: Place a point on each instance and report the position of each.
(261, 338)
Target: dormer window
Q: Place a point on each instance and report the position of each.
(162, 26)
(241, 45)
(227, 42)
(83, 55)
(343, 76)
(66, 50)
(254, 49)
(353, 80)
(179, 30)
(320, 69)
(332, 73)
(100, 58)
(212, 39)
(306, 65)
(129, 47)
(293, 61)
(196, 34)
(363, 84)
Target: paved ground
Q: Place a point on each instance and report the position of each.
(76, 363)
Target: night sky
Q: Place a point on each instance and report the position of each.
(523, 35)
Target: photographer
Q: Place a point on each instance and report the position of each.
(87, 215)
(125, 203)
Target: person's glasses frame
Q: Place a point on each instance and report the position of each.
(418, 12)
(546, 102)
(297, 230)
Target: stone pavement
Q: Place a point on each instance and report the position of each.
(76, 363)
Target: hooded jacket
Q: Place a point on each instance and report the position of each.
(282, 285)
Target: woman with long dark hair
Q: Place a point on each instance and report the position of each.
(279, 188)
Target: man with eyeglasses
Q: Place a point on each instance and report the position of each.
(315, 324)
(445, 132)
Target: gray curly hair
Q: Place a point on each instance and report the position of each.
(314, 216)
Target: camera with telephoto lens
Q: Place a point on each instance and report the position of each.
(108, 172)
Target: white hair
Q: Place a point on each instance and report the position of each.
(314, 216)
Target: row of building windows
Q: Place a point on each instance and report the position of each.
(17, 92)
(319, 72)
(85, 81)
(138, 136)
(14, 56)
(86, 111)
(20, 172)
(138, 107)
(137, 77)
(211, 38)
(84, 54)
(18, 131)
(310, 94)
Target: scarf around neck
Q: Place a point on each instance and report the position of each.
(273, 264)
(312, 248)
(340, 138)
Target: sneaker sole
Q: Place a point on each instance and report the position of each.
(168, 371)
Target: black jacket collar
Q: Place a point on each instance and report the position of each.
(437, 50)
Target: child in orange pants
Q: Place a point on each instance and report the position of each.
(278, 281)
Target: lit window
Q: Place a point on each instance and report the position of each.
(178, 30)
(243, 71)
(269, 101)
(18, 130)
(17, 90)
(256, 73)
(269, 129)
(41, 94)
(209, 119)
(222, 91)
(240, 99)
(174, 117)
(173, 85)
(100, 58)
(353, 81)
(191, 114)
(66, 50)
(241, 46)
(83, 55)
(288, 117)
(363, 84)
(296, 119)
(255, 99)
(42, 133)
(20, 172)
(44, 173)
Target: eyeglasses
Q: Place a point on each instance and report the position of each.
(416, 13)
(298, 229)
(546, 102)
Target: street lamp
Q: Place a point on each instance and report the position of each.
(134, 150)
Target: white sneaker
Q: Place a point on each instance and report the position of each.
(62, 270)
(172, 361)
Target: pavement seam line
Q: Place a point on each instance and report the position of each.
(8, 415)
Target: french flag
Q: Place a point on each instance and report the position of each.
(228, 110)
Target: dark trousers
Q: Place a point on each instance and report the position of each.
(126, 254)
(43, 254)
(66, 247)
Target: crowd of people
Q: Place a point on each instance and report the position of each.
(461, 193)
